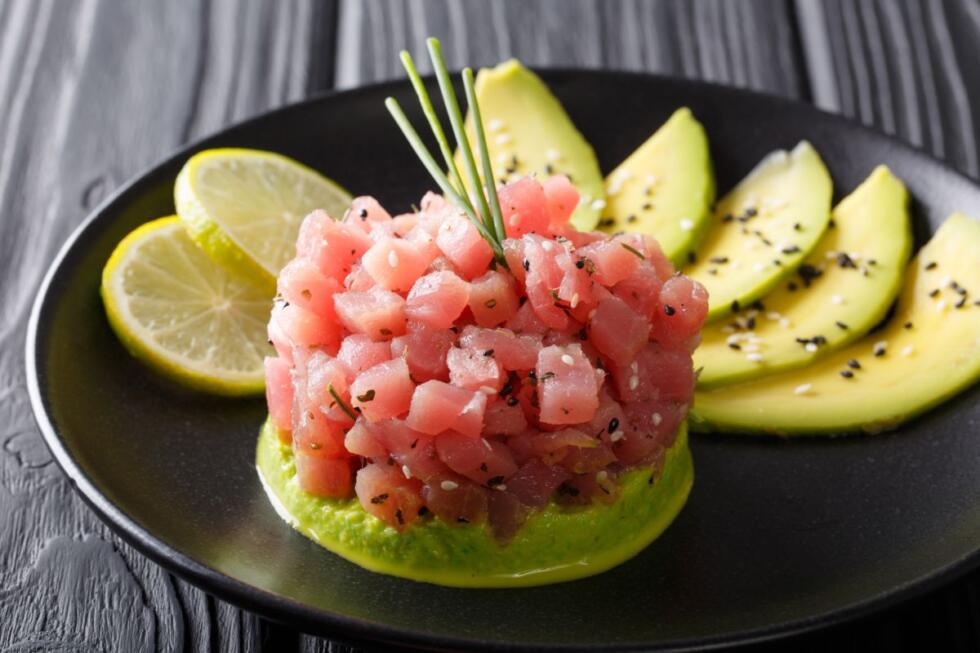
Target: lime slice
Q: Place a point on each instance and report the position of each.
(173, 308)
(244, 207)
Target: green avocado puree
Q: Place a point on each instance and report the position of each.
(555, 544)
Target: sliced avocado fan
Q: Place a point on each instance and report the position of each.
(665, 187)
(844, 288)
(529, 132)
(928, 352)
(763, 229)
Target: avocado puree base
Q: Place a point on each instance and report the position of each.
(555, 544)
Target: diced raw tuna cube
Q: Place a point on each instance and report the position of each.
(466, 503)
(512, 351)
(361, 441)
(359, 280)
(543, 279)
(463, 245)
(333, 246)
(424, 242)
(383, 391)
(378, 313)
(421, 461)
(650, 427)
(535, 482)
(437, 299)
(526, 321)
(303, 328)
(394, 264)
(562, 199)
(475, 369)
(302, 283)
(568, 390)
(424, 348)
(503, 419)
(685, 306)
(522, 203)
(493, 299)
(359, 352)
(364, 212)
(324, 477)
(514, 255)
(641, 292)
(657, 372)
(315, 435)
(438, 407)
(617, 331)
(279, 392)
(324, 374)
(480, 460)
(613, 260)
(385, 493)
(506, 514)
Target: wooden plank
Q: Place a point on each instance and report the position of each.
(907, 67)
(749, 44)
(91, 93)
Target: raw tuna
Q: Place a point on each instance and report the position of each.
(431, 382)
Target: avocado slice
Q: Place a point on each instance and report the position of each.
(844, 288)
(665, 187)
(928, 352)
(763, 229)
(556, 544)
(529, 132)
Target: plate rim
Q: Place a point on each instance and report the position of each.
(367, 633)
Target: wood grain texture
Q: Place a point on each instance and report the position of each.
(91, 93)
(906, 66)
(94, 91)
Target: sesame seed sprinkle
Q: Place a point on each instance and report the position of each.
(502, 139)
(634, 382)
(406, 471)
(393, 259)
(567, 360)
(837, 299)
(616, 436)
(907, 351)
(755, 357)
(552, 154)
(495, 125)
(449, 486)
(598, 204)
(810, 347)
(687, 224)
(784, 322)
(880, 348)
(802, 389)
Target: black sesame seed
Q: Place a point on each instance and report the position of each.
(490, 303)
(736, 307)
(961, 303)
(692, 257)
(961, 291)
(363, 214)
(735, 346)
(549, 169)
(613, 425)
(631, 218)
(908, 325)
(791, 286)
(719, 259)
(527, 265)
(808, 273)
(512, 401)
(580, 263)
(831, 224)
(934, 292)
(728, 217)
(751, 212)
(791, 249)
(797, 226)
(647, 206)
(381, 498)
(845, 261)
(847, 374)
(758, 305)
(872, 261)
(841, 325)
(750, 323)
(931, 265)
(488, 352)
(399, 517)
(423, 511)
(853, 364)
(668, 309)
(711, 271)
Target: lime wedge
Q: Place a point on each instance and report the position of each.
(244, 207)
(193, 321)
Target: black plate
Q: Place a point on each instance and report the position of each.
(778, 537)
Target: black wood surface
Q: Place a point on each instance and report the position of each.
(94, 91)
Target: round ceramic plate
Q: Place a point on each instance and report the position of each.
(778, 537)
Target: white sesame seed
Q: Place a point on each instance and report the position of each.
(592, 314)
(552, 154)
(598, 204)
(728, 329)
(616, 436)
(547, 246)
(487, 390)
(880, 346)
(634, 382)
(784, 322)
(907, 351)
(602, 476)
(837, 299)
(687, 224)
(574, 301)
(749, 244)
(734, 265)
(773, 315)
(503, 159)
(634, 367)
(657, 418)
(515, 219)
(855, 256)
(755, 357)
(758, 267)
(449, 486)
(941, 305)
(830, 255)
(748, 349)
(495, 125)
(752, 312)
(945, 280)
(500, 488)
(651, 179)
(802, 389)
(502, 139)
(567, 360)
(406, 471)
(393, 259)
(810, 347)
(733, 339)
(486, 444)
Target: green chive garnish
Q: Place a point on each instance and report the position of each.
(487, 216)
(340, 402)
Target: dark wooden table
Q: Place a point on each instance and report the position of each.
(92, 92)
